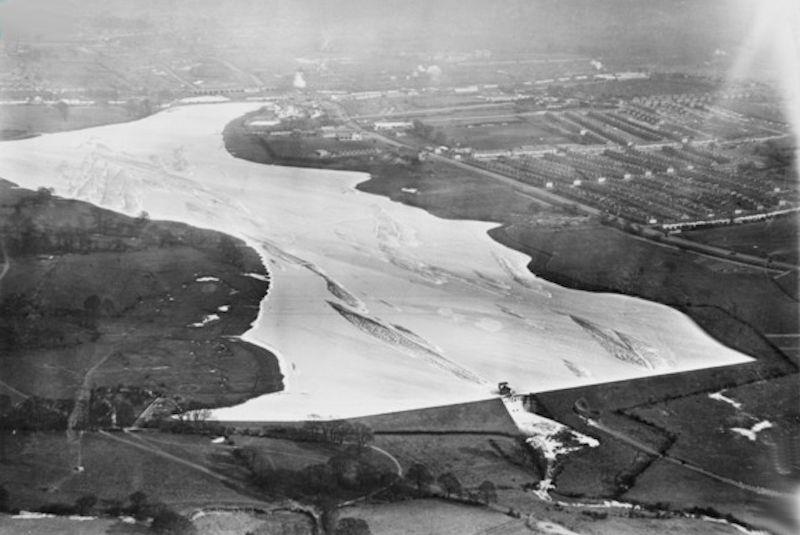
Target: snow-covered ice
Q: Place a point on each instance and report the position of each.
(374, 306)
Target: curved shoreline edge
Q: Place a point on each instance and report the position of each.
(215, 121)
(725, 330)
(196, 272)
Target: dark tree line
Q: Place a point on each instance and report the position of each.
(420, 478)
(428, 132)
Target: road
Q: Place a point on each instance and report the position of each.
(13, 390)
(391, 457)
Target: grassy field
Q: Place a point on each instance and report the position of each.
(183, 471)
(437, 516)
(770, 461)
(482, 416)
(451, 193)
(25, 120)
(91, 291)
(471, 458)
(65, 526)
(304, 149)
(777, 238)
(679, 488)
(601, 258)
(406, 104)
(505, 133)
(38, 470)
(694, 429)
(235, 522)
(421, 517)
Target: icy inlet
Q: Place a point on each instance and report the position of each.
(373, 306)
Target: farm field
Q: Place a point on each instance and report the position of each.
(679, 488)
(287, 149)
(218, 522)
(766, 457)
(505, 133)
(422, 517)
(66, 526)
(777, 238)
(406, 104)
(427, 516)
(488, 416)
(451, 193)
(39, 470)
(690, 419)
(603, 258)
(161, 332)
(473, 459)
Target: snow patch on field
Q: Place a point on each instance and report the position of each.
(33, 515)
(719, 396)
(752, 433)
(206, 279)
(205, 321)
(326, 242)
(547, 527)
(257, 276)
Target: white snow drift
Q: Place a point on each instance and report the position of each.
(374, 306)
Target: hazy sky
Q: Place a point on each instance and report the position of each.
(455, 24)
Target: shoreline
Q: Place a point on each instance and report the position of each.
(488, 278)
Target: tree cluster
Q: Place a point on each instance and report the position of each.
(117, 406)
(337, 432)
(428, 132)
(84, 506)
(348, 473)
(419, 477)
(37, 414)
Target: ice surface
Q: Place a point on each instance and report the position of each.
(427, 311)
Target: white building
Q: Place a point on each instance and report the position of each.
(392, 125)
